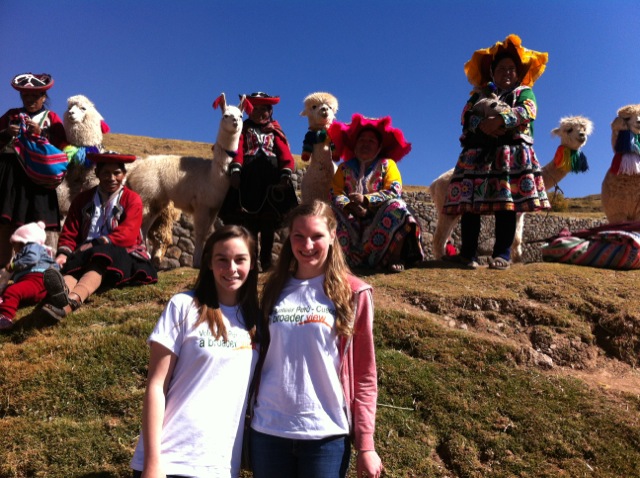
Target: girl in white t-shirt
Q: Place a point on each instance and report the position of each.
(203, 352)
(317, 388)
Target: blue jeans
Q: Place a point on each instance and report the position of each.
(275, 457)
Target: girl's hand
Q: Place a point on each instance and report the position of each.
(368, 464)
(153, 470)
(61, 260)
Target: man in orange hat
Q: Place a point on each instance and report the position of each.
(261, 192)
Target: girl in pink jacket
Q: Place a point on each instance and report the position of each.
(317, 386)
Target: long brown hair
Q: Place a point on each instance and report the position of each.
(336, 283)
(206, 293)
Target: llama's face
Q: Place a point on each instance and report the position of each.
(320, 113)
(231, 120)
(633, 122)
(574, 135)
(76, 112)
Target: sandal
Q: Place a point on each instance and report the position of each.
(56, 313)
(461, 261)
(395, 267)
(57, 290)
(499, 263)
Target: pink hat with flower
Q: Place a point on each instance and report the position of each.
(32, 232)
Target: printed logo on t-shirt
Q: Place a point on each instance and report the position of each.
(237, 340)
(303, 315)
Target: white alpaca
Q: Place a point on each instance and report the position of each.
(84, 128)
(621, 186)
(197, 186)
(573, 132)
(320, 109)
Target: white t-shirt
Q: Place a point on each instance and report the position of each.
(207, 395)
(300, 395)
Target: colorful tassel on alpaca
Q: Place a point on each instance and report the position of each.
(627, 142)
(570, 161)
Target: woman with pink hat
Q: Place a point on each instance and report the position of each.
(376, 228)
(497, 172)
(21, 200)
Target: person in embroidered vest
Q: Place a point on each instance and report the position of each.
(261, 190)
(203, 352)
(497, 172)
(31, 259)
(21, 200)
(375, 226)
(317, 385)
(101, 244)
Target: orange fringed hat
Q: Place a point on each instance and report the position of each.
(532, 63)
(344, 136)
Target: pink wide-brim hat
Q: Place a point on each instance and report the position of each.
(344, 137)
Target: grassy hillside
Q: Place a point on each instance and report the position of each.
(530, 372)
(463, 389)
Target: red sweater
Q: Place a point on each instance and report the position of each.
(125, 227)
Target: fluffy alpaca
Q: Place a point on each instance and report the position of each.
(84, 127)
(621, 186)
(197, 186)
(573, 132)
(489, 105)
(320, 109)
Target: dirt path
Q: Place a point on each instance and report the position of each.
(607, 374)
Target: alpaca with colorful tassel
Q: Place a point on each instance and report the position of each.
(573, 132)
(621, 185)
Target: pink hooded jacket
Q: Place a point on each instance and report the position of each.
(358, 368)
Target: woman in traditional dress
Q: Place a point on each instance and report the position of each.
(100, 245)
(21, 200)
(497, 172)
(376, 228)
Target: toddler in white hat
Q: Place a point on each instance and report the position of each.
(31, 259)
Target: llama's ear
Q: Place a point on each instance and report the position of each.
(304, 112)
(245, 105)
(220, 102)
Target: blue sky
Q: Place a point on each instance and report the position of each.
(153, 68)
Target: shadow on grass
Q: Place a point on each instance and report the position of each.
(30, 323)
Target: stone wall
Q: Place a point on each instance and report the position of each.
(537, 226)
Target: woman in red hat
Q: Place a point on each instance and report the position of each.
(262, 191)
(21, 200)
(376, 228)
(101, 244)
(498, 172)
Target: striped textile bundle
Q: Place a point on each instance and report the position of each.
(45, 164)
(610, 249)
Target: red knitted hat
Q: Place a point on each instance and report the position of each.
(111, 157)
